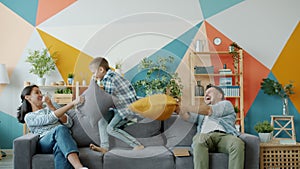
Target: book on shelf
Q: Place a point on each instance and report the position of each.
(225, 81)
(287, 141)
(225, 71)
(231, 90)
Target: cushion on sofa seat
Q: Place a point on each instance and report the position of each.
(157, 107)
(150, 157)
(91, 159)
(147, 131)
(178, 132)
(88, 158)
(216, 161)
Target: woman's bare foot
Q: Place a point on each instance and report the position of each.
(140, 147)
(99, 149)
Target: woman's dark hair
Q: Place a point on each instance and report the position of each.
(25, 106)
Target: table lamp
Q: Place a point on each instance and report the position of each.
(3, 75)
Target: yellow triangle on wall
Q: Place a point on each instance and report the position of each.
(81, 69)
(69, 59)
(287, 66)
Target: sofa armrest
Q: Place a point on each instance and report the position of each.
(252, 149)
(24, 148)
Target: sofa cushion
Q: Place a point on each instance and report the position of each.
(88, 158)
(91, 159)
(157, 107)
(150, 157)
(216, 161)
(96, 103)
(178, 132)
(147, 131)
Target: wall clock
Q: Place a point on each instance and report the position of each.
(217, 41)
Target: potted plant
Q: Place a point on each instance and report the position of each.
(272, 87)
(157, 78)
(42, 64)
(63, 96)
(70, 78)
(233, 49)
(264, 130)
(118, 67)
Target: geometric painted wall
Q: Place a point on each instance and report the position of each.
(80, 31)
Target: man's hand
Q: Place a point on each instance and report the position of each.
(182, 111)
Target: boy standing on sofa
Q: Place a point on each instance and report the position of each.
(216, 130)
(116, 85)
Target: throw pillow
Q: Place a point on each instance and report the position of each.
(156, 107)
(97, 103)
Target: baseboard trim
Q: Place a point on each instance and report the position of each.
(7, 151)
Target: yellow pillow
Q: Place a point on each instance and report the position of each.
(156, 107)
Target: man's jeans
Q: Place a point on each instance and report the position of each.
(60, 142)
(113, 128)
(218, 142)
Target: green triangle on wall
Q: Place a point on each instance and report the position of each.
(212, 7)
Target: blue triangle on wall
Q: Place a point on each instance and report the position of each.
(176, 48)
(25, 9)
(212, 7)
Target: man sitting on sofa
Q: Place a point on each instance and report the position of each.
(216, 130)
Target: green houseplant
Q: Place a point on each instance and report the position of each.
(118, 67)
(63, 96)
(272, 87)
(70, 78)
(264, 130)
(158, 79)
(41, 63)
(233, 49)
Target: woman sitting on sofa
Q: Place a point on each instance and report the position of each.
(52, 125)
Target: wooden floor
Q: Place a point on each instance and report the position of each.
(7, 162)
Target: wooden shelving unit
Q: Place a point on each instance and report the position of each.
(237, 78)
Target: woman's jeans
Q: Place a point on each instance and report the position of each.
(60, 142)
(112, 127)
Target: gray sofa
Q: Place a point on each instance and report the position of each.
(159, 138)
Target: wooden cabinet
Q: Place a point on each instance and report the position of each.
(233, 89)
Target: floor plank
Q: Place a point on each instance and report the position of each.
(7, 162)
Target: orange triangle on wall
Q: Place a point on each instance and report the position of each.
(253, 70)
(47, 9)
(69, 59)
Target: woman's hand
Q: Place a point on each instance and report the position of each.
(47, 100)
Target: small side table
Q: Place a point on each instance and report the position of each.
(283, 124)
(276, 155)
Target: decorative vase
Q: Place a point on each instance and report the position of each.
(118, 71)
(285, 106)
(41, 81)
(265, 137)
(70, 81)
(199, 89)
(231, 48)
